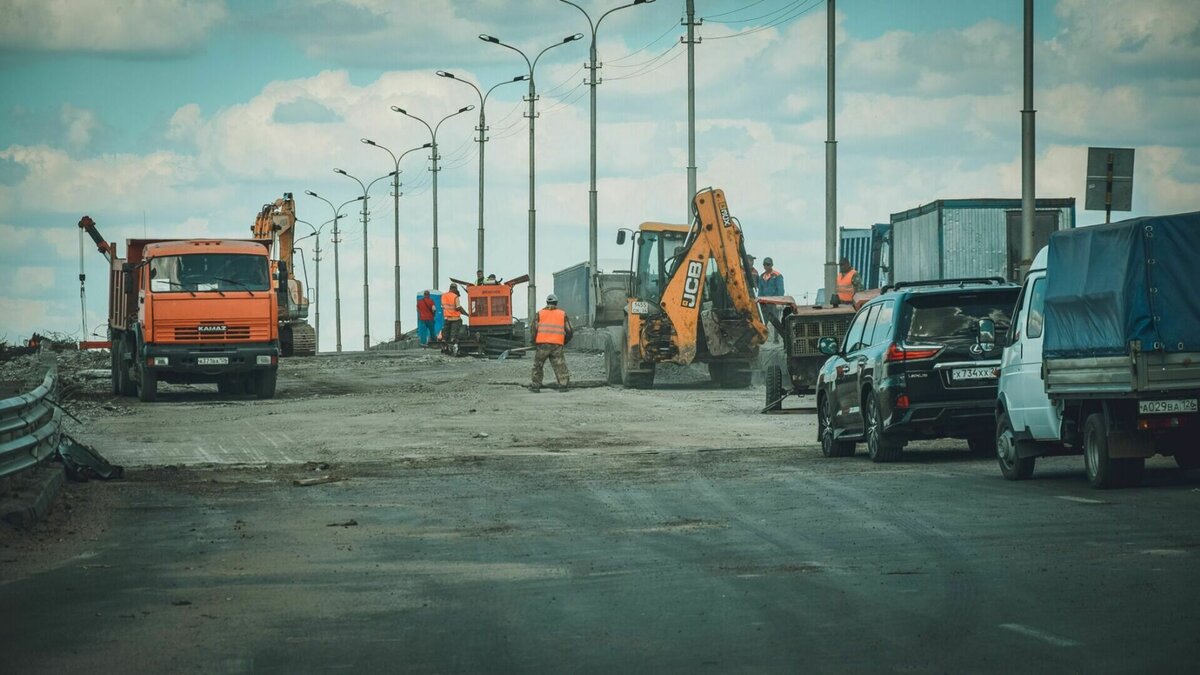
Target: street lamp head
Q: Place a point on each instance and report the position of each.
(463, 110)
(427, 145)
(400, 110)
(520, 78)
(572, 38)
(393, 173)
(444, 73)
(488, 38)
(340, 171)
(367, 141)
(642, 2)
(310, 193)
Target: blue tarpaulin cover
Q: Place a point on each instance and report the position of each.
(1109, 285)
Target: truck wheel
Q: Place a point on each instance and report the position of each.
(147, 385)
(1012, 466)
(264, 384)
(612, 359)
(880, 447)
(830, 446)
(116, 384)
(629, 379)
(982, 446)
(1102, 472)
(232, 385)
(774, 381)
(125, 384)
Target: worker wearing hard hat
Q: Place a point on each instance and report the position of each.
(552, 330)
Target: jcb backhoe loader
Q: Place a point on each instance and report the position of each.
(688, 301)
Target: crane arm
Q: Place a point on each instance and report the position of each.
(715, 241)
(106, 249)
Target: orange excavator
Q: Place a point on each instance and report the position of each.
(688, 300)
(276, 222)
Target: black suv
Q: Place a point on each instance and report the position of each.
(919, 361)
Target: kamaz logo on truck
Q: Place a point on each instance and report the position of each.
(691, 283)
(210, 328)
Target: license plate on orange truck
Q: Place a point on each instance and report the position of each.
(212, 361)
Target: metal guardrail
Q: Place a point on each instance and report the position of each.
(30, 425)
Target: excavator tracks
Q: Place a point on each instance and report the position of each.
(303, 340)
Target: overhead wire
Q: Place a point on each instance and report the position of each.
(799, 12)
(779, 10)
(647, 71)
(639, 50)
(709, 17)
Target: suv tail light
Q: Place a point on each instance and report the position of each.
(899, 352)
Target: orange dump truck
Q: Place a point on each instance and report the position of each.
(191, 310)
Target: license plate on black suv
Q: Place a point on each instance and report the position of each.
(1186, 405)
(988, 373)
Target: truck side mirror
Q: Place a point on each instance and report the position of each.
(620, 237)
(827, 346)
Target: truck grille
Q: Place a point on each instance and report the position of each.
(230, 334)
(804, 334)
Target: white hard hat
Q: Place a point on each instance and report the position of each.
(552, 299)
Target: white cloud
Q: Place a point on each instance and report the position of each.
(165, 27)
(80, 125)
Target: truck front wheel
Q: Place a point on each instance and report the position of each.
(147, 385)
(774, 381)
(264, 384)
(1012, 465)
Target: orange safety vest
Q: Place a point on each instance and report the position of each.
(450, 305)
(845, 285)
(552, 327)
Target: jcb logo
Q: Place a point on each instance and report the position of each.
(691, 284)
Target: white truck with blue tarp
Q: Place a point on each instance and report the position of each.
(1104, 355)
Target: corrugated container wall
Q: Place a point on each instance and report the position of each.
(856, 247)
(956, 238)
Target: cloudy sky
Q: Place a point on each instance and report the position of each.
(182, 117)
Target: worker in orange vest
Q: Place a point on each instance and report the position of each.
(551, 329)
(451, 315)
(848, 281)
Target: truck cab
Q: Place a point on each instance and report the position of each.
(1022, 392)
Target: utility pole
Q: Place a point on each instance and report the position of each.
(691, 41)
(1028, 205)
(830, 167)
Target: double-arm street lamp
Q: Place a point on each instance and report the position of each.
(482, 129)
(366, 252)
(532, 114)
(593, 208)
(396, 204)
(316, 294)
(434, 156)
(337, 277)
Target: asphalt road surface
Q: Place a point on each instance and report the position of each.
(700, 539)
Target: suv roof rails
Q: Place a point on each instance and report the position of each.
(997, 281)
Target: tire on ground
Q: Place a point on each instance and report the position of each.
(774, 386)
(1008, 452)
(880, 446)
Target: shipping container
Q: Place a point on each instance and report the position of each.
(956, 238)
(866, 249)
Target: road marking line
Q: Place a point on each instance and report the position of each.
(1040, 635)
(1079, 500)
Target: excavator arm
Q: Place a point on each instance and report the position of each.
(715, 243)
(106, 249)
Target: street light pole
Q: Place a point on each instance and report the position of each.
(366, 249)
(396, 205)
(482, 140)
(593, 207)
(434, 157)
(532, 114)
(337, 277)
(316, 296)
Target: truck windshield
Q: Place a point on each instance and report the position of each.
(658, 254)
(954, 317)
(199, 272)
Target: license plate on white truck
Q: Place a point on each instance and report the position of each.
(212, 360)
(1186, 405)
